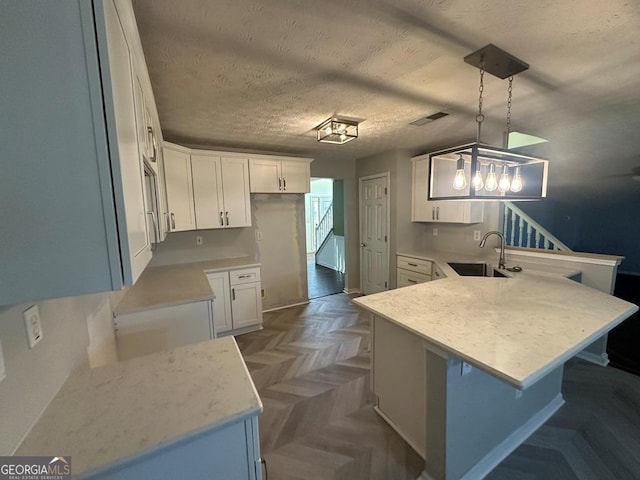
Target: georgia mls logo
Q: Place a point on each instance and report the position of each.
(35, 468)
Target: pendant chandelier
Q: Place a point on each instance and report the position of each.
(481, 172)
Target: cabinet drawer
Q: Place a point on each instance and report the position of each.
(414, 265)
(245, 275)
(406, 278)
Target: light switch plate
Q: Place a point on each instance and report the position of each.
(198, 240)
(3, 371)
(32, 323)
(435, 232)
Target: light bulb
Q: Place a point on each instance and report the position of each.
(460, 180)
(492, 182)
(505, 182)
(516, 183)
(478, 183)
(343, 137)
(328, 130)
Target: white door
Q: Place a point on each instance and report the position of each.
(374, 226)
(125, 99)
(177, 172)
(207, 197)
(246, 305)
(265, 176)
(235, 188)
(295, 176)
(219, 283)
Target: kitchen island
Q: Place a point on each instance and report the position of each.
(185, 413)
(466, 368)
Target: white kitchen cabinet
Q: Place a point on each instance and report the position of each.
(179, 188)
(220, 191)
(222, 320)
(437, 273)
(279, 175)
(238, 300)
(411, 271)
(439, 211)
(73, 213)
(155, 330)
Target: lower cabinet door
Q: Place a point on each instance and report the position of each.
(406, 278)
(219, 283)
(160, 329)
(246, 305)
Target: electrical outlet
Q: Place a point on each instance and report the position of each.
(262, 292)
(32, 323)
(465, 369)
(477, 235)
(435, 232)
(199, 240)
(258, 236)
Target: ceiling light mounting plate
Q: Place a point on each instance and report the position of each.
(497, 62)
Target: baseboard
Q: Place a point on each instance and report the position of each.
(326, 265)
(513, 441)
(601, 359)
(351, 291)
(285, 306)
(418, 450)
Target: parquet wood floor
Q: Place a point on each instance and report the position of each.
(310, 365)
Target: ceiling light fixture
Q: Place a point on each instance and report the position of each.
(449, 168)
(338, 131)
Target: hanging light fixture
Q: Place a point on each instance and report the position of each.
(449, 167)
(460, 179)
(338, 131)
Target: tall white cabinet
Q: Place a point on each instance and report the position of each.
(177, 171)
(69, 86)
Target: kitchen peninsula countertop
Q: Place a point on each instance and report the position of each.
(175, 284)
(108, 415)
(517, 329)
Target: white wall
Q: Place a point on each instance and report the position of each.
(35, 375)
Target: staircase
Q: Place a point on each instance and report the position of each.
(520, 230)
(324, 228)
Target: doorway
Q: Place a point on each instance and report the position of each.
(324, 214)
(374, 233)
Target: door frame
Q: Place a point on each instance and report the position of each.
(387, 177)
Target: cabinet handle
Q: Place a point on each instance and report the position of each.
(221, 219)
(433, 213)
(412, 264)
(233, 293)
(284, 184)
(173, 221)
(279, 183)
(248, 275)
(437, 213)
(226, 214)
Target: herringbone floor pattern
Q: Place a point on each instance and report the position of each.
(310, 365)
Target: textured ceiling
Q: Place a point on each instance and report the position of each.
(261, 74)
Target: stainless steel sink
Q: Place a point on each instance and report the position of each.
(476, 270)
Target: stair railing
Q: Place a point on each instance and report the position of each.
(520, 230)
(324, 226)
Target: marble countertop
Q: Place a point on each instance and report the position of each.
(110, 414)
(517, 329)
(175, 284)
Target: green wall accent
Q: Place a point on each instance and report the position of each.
(338, 208)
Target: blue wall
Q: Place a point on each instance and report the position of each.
(606, 221)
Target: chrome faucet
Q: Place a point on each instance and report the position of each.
(501, 262)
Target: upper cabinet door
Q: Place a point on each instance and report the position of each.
(128, 106)
(265, 176)
(295, 176)
(207, 194)
(235, 187)
(179, 186)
